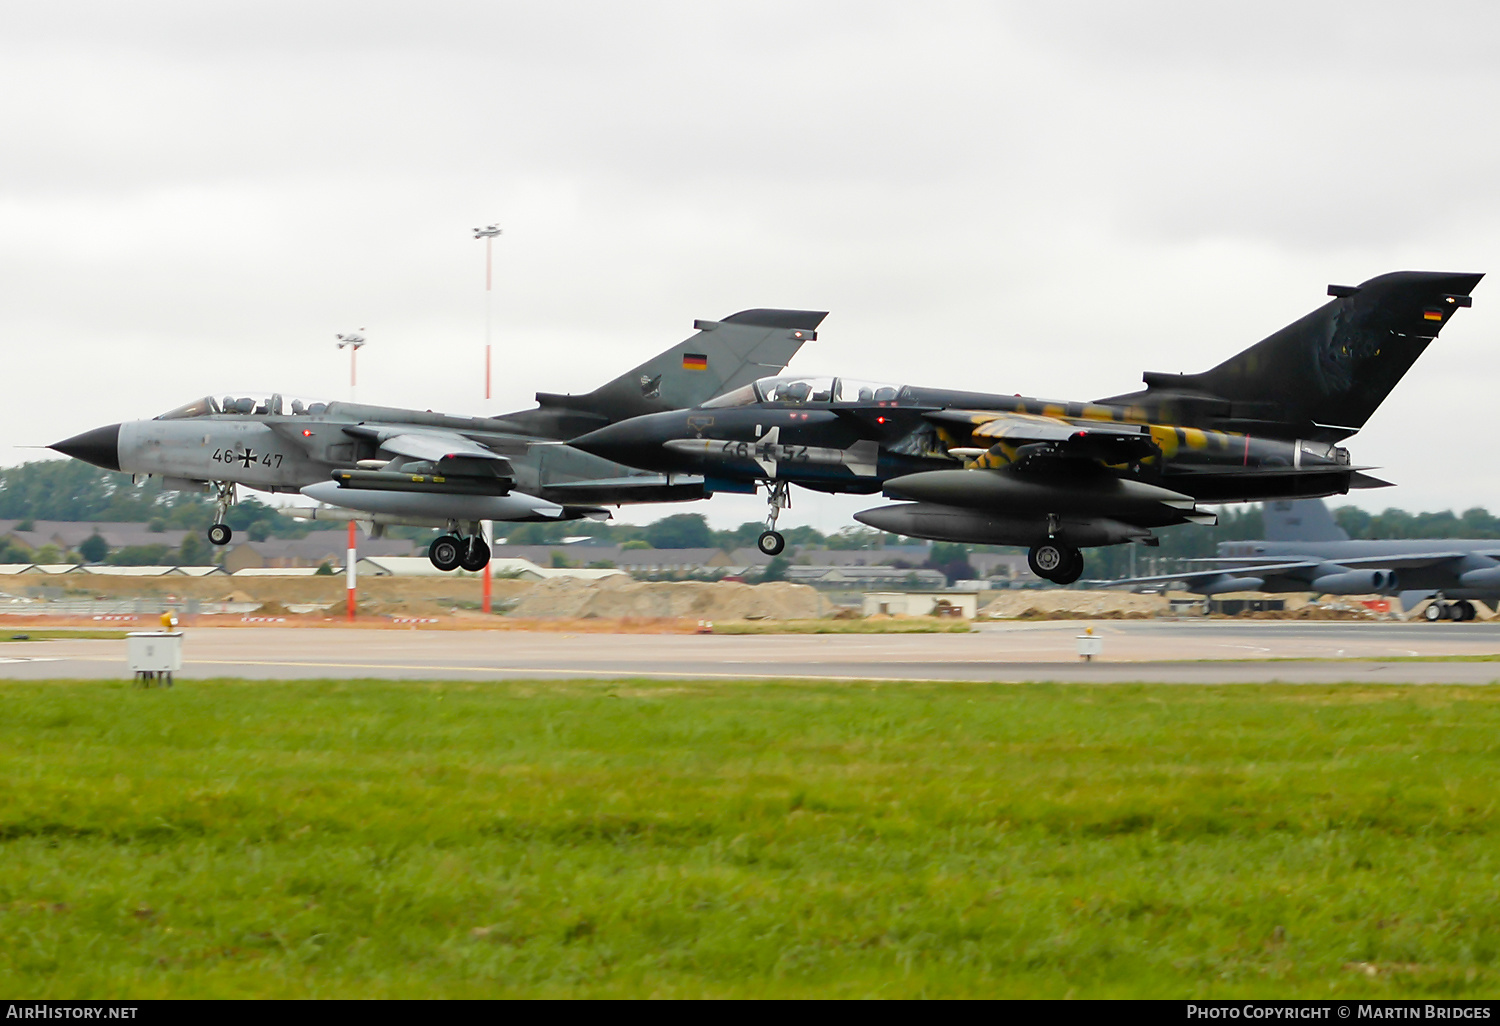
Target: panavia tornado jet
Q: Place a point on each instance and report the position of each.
(1305, 550)
(1058, 476)
(385, 465)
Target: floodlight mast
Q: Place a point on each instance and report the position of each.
(353, 340)
(488, 234)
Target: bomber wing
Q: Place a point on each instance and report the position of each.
(1402, 561)
(1276, 569)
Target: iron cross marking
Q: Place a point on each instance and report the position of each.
(247, 458)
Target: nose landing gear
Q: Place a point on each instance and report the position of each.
(220, 532)
(772, 542)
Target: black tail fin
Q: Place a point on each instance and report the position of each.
(1322, 376)
(1301, 520)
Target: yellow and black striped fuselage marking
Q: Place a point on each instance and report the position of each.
(1175, 443)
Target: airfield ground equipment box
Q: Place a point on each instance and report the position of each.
(154, 656)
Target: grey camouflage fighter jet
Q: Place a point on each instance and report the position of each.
(1305, 550)
(1060, 476)
(387, 465)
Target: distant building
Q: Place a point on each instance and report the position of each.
(864, 576)
(69, 534)
(524, 569)
(317, 548)
(964, 604)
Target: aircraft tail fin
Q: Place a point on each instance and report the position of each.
(720, 357)
(1301, 520)
(1321, 376)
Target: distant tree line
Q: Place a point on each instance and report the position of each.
(72, 490)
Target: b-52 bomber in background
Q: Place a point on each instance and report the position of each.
(1057, 477)
(1305, 550)
(387, 465)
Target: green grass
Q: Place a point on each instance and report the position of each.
(762, 839)
(913, 625)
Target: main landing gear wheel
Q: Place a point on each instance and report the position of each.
(1056, 562)
(220, 534)
(1073, 572)
(476, 556)
(1455, 611)
(771, 543)
(446, 552)
(1458, 611)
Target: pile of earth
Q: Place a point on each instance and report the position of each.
(1062, 603)
(619, 597)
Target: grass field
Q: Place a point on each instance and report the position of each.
(395, 839)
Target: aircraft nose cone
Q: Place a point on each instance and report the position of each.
(616, 442)
(101, 447)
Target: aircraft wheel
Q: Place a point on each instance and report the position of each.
(771, 543)
(1072, 571)
(476, 557)
(446, 552)
(1435, 611)
(1054, 561)
(1463, 610)
(220, 534)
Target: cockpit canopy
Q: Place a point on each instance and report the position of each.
(272, 406)
(799, 390)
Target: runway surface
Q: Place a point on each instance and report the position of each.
(1205, 651)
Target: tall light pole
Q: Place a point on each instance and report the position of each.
(353, 340)
(488, 234)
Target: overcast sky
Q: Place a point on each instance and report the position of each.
(1046, 198)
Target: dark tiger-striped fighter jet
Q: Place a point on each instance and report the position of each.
(1061, 476)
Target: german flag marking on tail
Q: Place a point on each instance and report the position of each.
(1432, 314)
(694, 361)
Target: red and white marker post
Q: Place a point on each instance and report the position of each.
(488, 531)
(349, 570)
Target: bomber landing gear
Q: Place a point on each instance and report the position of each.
(771, 542)
(1457, 611)
(220, 532)
(1056, 561)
